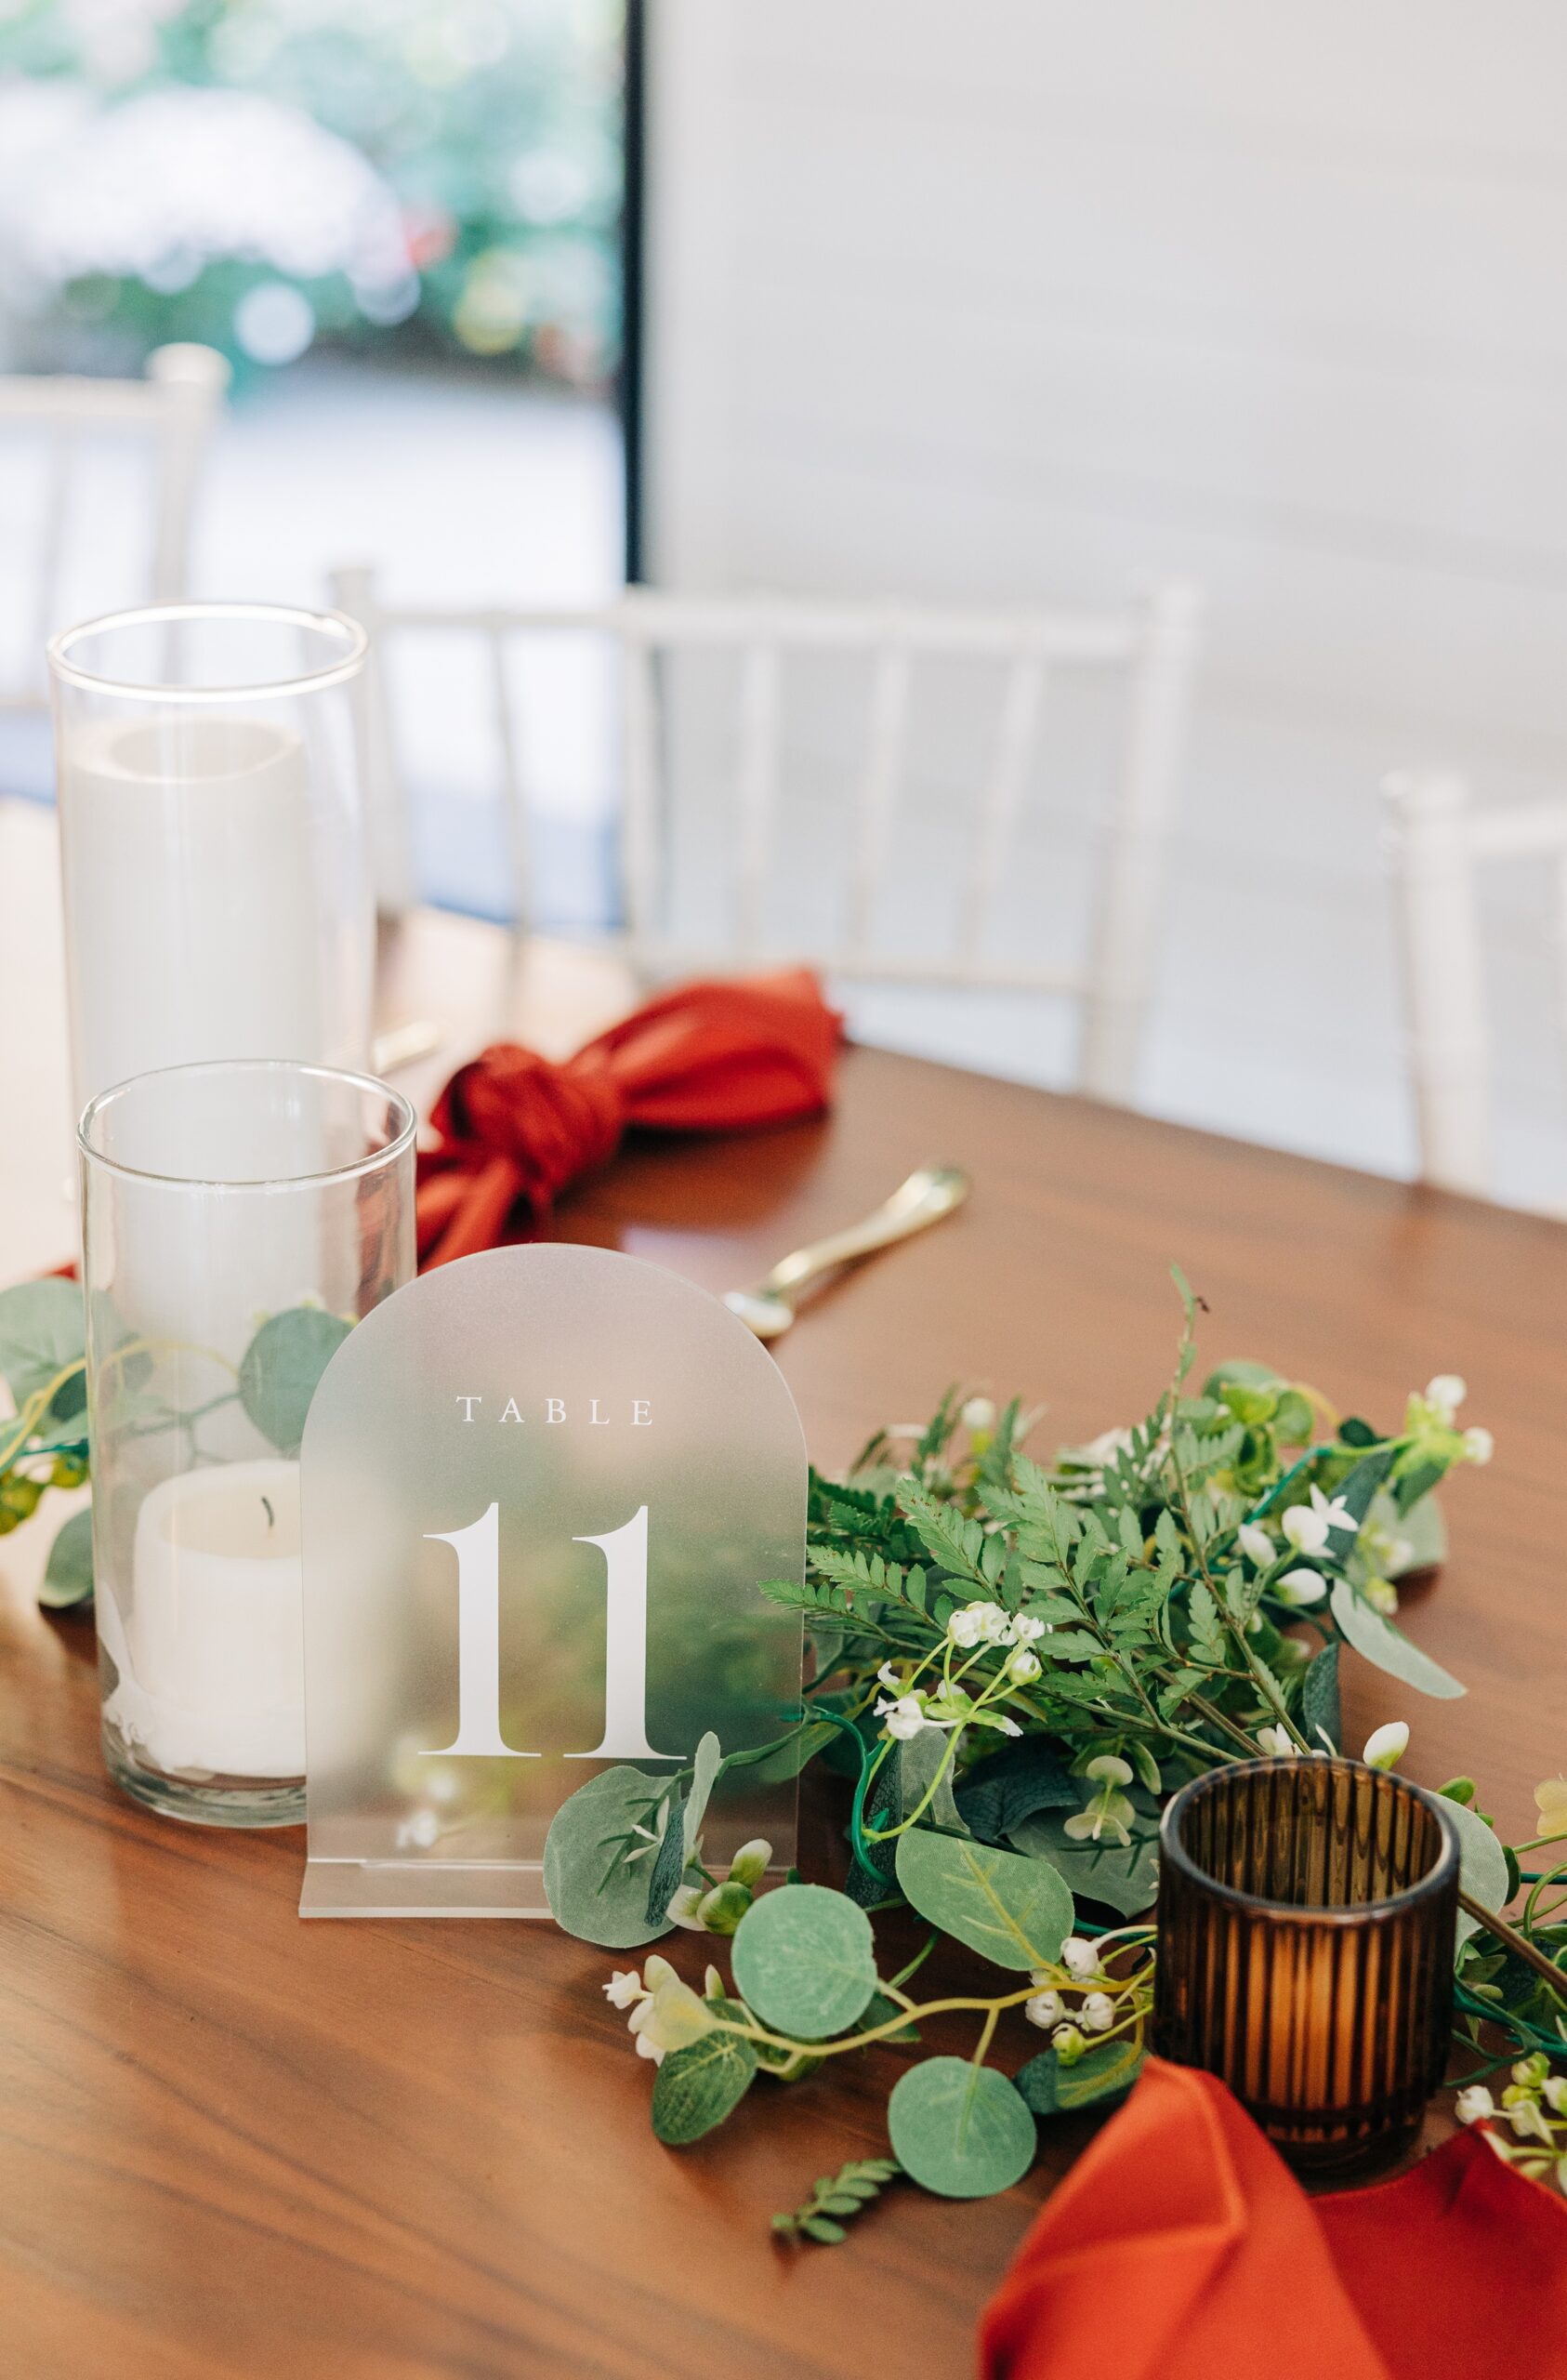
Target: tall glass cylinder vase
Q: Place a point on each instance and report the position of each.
(217, 900)
(238, 1219)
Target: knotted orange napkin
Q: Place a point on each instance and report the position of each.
(1180, 2247)
(704, 1057)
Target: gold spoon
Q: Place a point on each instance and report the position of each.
(928, 1195)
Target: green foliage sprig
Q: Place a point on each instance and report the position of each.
(44, 1443)
(837, 2198)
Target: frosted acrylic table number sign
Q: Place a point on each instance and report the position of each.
(539, 1488)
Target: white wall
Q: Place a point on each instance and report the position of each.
(1017, 298)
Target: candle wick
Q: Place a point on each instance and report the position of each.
(271, 1517)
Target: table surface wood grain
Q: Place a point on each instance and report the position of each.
(232, 2143)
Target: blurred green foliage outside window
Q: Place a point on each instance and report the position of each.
(435, 175)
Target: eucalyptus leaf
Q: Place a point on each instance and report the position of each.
(696, 2087)
(1014, 1911)
(1320, 1709)
(959, 2129)
(919, 1760)
(68, 1574)
(1422, 1529)
(1000, 1792)
(1482, 1865)
(1387, 1647)
(1124, 1876)
(43, 1330)
(593, 1891)
(805, 1960)
(1359, 1487)
(282, 1367)
(1051, 2089)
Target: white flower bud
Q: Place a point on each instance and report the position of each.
(751, 1862)
(1255, 1545)
(1078, 1957)
(1473, 2105)
(1274, 1742)
(1098, 2012)
(1297, 1588)
(1447, 1392)
(1478, 1445)
(1047, 2008)
(978, 1415)
(1022, 1666)
(1069, 2043)
(1385, 1747)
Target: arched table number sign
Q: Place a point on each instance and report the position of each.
(539, 1488)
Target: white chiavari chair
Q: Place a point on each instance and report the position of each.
(169, 414)
(1438, 842)
(1149, 650)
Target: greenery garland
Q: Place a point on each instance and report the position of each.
(1015, 1664)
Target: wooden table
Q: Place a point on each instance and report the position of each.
(232, 2143)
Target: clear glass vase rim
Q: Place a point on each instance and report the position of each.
(401, 1140)
(1443, 1871)
(334, 673)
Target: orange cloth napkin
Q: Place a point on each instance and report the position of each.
(705, 1057)
(1180, 2247)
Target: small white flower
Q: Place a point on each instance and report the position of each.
(624, 1988)
(1026, 1629)
(1009, 1726)
(646, 2047)
(420, 1832)
(1098, 2012)
(1274, 1742)
(1109, 1813)
(1078, 1957)
(1528, 2123)
(889, 1676)
(1255, 1545)
(1555, 2089)
(685, 1907)
(979, 1623)
(1472, 2106)
(1107, 1445)
(1386, 1746)
(1109, 1769)
(978, 1414)
(1382, 1595)
(1022, 1666)
(1308, 1527)
(904, 1718)
(1047, 2008)
(1300, 1587)
(1478, 1445)
(1447, 1392)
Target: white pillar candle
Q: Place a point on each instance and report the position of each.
(193, 904)
(211, 1655)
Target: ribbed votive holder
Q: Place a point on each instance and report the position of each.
(1306, 1940)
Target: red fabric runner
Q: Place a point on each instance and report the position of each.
(1180, 2247)
(707, 1057)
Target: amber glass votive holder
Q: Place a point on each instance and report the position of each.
(1306, 1941)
